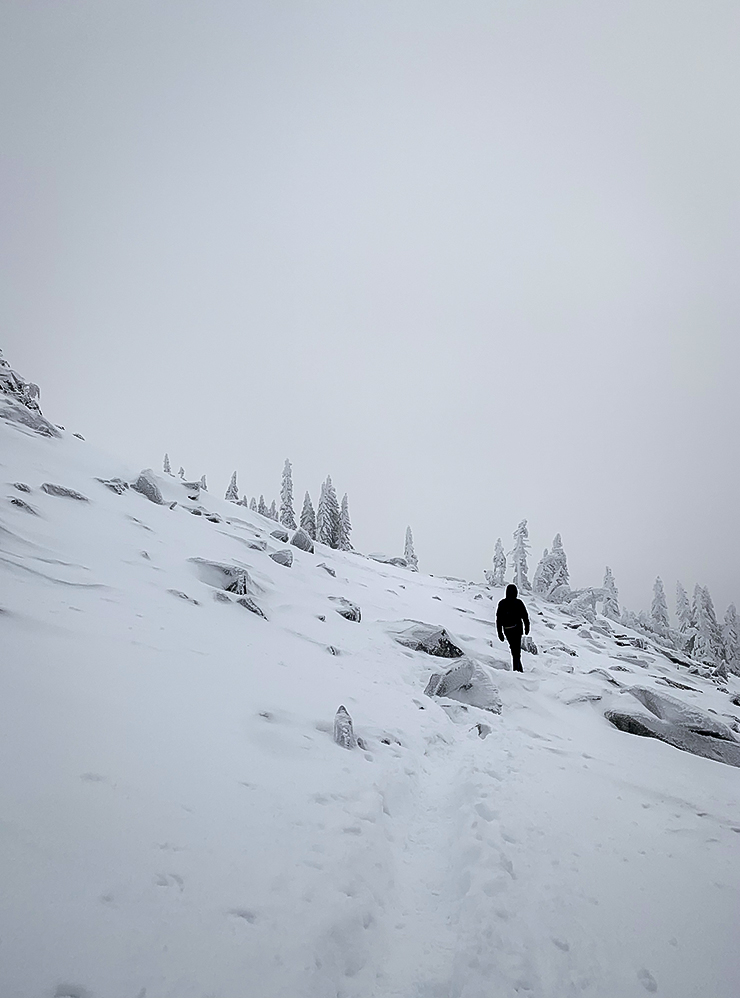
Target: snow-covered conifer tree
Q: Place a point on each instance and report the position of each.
(261, 507)
(686, 628)
(345, 526)
(272, 511)
(287, 514)
(659, 609)
(181, 472)
(499, 565)
(253, 504)
(166, 465)
(203, 484)
(708, 644)
(232, 493)
(332, 505)
(409, 553)
(611, 603)
(731, 639)
(323, 521)
(308, 517)
(561, 575)
(519, 558)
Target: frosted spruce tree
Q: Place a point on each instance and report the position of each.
(498, 578)
(659, 619)
(552, 570)
(409, 553)
(261, 507)
(708, 645)
(323, 519)
(332, 511)
(203, 483)
(611, 602)
(272, 511)
(232, 493)
(287, 513)
(181, 472)
(308, 517)
(519, 558)
(684, 613)
(731, 639)
(253, 505)
(166, 465)
(345, 525)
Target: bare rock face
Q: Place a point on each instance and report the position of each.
(676, 723)
(302, 541)
(21, 504)
(345, 608)
(230, 578)
(284, 557)
(528, 644)
(428, 638)
(63, 491)
(467, 682)
(147, 486)
(343, 731)
(280, 534)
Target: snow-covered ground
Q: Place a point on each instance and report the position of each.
(177, 821)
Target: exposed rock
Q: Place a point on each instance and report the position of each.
(674, 711)
(284, 557)
(21, 486)
(326, 568)
(466, 682)
(528, 644)
(146, 484)
(183, 596)
(559, 646)
(345, 608)
(26, 507)
(19, 401)
(249, 604)
(116, 485)
(302, 541)
(385, 559)
(232, 578)
(214, 518)
(636, 722)
(62, 490)
(281, 534)
(429, 638)
(343, 730)
(221, 597)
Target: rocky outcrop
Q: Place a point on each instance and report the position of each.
(467, 682)
(428, 638)
(284, 557)
(345, 608)
(146, 484)
(63, 491)
(302, 541)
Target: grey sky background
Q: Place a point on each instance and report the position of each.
(478, 261)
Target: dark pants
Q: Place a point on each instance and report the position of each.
(514, 636)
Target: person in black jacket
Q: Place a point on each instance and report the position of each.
(511, 614)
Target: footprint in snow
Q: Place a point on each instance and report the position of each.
(647, 980)
(169, 880)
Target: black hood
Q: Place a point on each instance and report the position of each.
(511, 591)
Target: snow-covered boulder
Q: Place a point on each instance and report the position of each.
(63, 491)
(385, 559)
(280, 534)
(528, 644)
(346, 608)
(466, 682)
(429, 638)
(146, 484)
(676, 723)
(116, 485)
(230, 578)
(343, 731)
(302, 541)
(283, 557)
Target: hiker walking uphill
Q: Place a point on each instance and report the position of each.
(512, 620)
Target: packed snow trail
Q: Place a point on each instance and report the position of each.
(178, 823)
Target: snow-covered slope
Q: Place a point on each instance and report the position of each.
(178, 822)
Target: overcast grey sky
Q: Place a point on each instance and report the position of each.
(478, 261)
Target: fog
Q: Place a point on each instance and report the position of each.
(477, 261)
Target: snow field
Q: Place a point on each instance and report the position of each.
(178, 822)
